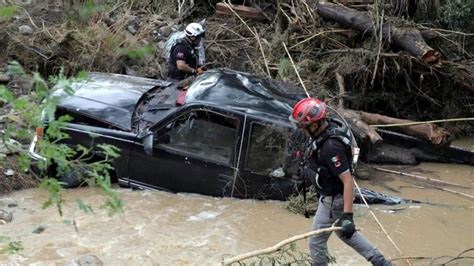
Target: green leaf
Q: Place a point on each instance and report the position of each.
(8, 11)
(84, 207)
(6, 94)
(14, 68)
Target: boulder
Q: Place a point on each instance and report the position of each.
(6, 216)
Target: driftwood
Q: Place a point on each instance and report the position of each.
(277, 246)
(408, 39)
(360, 128)
(243, 11)
(433, 133)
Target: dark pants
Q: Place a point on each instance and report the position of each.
(318, 244)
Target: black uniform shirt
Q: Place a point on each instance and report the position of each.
(185, 52)
(333, 155)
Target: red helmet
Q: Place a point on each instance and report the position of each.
(308, 111)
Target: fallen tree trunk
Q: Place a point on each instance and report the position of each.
(408, 39)
(431, 132)
(360, 128)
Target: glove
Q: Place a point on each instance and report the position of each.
(201, 70)
(347, 224)
(308, 172)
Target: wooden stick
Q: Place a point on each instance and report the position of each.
(378, 222)
(296, 70)
(426, 122)
(342, 90)
(254, 34)
(380, 40)
(455, 192)
(263, 53)
(420, 177)
(277, 246)
(316, 35)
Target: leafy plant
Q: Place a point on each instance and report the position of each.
(6, 12)
(9, 247)
(93, 165)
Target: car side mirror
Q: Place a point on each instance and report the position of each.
(148, 144)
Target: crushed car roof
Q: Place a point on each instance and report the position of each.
(242, 91)
(112, 98)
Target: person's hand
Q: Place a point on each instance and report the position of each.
(201, 70)
(347, 224)
(308, 172)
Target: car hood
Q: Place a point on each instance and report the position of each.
(107, 97)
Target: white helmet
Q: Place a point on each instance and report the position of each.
(194, 30)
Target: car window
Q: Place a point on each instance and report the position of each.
(202, 134)
(267, 148)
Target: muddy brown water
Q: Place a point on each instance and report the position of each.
(160, 228)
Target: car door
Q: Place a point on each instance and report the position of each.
(269, 164)
(194, 152)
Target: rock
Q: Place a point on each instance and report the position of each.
(161, 45)
(8, 202)
(4, 78)
(166, 30)
(132, 25)
(109, 21)
(6, 215)
(9, 172)
(90, 260)
(39, 230)
(25, 30)
(132, 29)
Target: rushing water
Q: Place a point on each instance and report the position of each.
(186, 229)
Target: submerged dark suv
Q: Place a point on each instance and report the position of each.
(226, 134)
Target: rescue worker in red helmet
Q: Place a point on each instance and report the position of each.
(329, 169)
(184, 61)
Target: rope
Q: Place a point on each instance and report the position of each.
(296, 70)
(426, 122)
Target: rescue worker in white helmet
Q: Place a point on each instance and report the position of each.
(184, 60)
(328, 167)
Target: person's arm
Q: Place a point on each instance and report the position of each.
(348, 194)
(182, 66)
(180, 54)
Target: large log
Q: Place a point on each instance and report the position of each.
(360, 128)
(408, 39)
(430, 132)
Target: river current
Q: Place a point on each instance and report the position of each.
(161, 228)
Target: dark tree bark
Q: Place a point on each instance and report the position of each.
(409, 40)
(430, 132)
